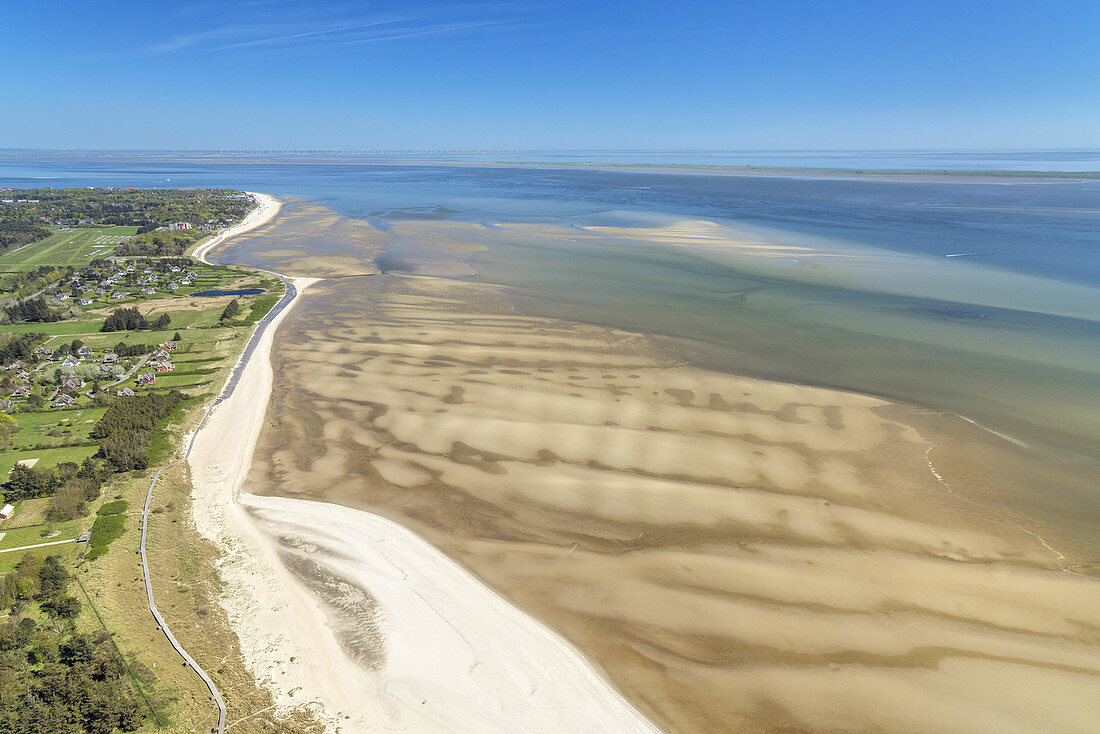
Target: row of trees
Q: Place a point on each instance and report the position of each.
(231, 309)
(133, 207)
(15, 347)
(160, 244)
(31, 309)
(130, 319)
(125, 429)
(23, 282)
(83, 480)
(16, 232)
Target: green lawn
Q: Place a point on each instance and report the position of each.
(46, 457)
(72, 424)
(172, 379)
(36, 533)
(80, 326)
(74, 247)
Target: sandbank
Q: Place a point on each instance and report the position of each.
(736, 554)
(311, 585)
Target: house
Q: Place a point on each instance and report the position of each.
(179, 225)
(125, 392)
(64, 401)
(165, 366)
(7, 511)
(185, 281)
(85, 351)
(174, 269)
(146, 378)
(172, 286)
(119, 294)
(110, 358)
(170, 346)
(16, 365)
(43, 352)
(73, 383)
(23, 376)
(147, 271)
(62, 297)
(162, 356)
(85, 301)
(148, 291)
(5, 404)
(69, 361)
(21, 392)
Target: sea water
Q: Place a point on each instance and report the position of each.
(969, 297)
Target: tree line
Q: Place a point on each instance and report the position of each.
(126, 427)
(19, 346)
(32, 310)
(130, 319)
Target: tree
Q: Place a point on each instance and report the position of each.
(125, 319)
(230, 310)
(8, 428)
(162, 322)
(177, 337)
(68, 607)
(53, 579)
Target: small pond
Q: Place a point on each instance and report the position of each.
(242, 292)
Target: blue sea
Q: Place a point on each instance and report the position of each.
(965, 296)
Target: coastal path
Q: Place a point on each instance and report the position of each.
(227, 390)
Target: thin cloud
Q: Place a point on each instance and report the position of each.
(343, 32)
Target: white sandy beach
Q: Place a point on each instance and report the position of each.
(267, 207)
(452, 655)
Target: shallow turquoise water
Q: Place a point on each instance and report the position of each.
(975, 298)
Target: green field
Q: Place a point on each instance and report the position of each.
(37, 533)
(70, 426)
(73, 247)
(46, 457)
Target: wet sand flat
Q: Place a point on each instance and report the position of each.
(735, 554)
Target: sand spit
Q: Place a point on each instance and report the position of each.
(267, 207)
(365, 623)
(737, 555)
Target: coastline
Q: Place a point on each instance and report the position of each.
(267, 207)
(470, 661)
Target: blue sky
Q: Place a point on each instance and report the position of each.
(258, 74)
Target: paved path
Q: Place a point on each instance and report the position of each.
(37, 545)
(230, 385)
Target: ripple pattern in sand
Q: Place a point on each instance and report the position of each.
(737, 555)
